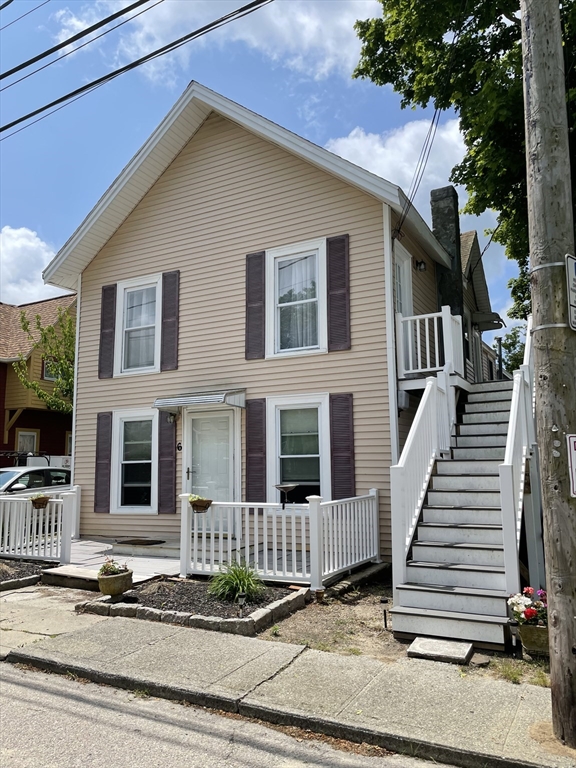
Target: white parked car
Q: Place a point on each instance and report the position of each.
(28, 480)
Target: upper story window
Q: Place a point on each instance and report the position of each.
(48, 372)
(138, 316)
(296, 299)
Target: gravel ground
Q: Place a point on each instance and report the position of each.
(192, 596)
(19, 569)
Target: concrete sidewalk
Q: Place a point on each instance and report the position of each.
(427, 709)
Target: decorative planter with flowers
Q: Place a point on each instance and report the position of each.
(114, 579)
(199, 503)
(40, 500)
(530, 609)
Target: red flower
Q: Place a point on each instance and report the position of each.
(530, 613)
(529, 591)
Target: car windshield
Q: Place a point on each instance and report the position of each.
(6, 475)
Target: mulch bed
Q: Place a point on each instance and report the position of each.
(20, 569)
(190, 596)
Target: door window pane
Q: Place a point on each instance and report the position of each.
(297, 302)
(136, 472)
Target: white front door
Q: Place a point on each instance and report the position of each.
(210, 465)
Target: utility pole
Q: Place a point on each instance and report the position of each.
(551, 231)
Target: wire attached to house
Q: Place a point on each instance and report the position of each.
(88, 42)
(79, 92)
(6, 4)
(23, 15)
(73, 39)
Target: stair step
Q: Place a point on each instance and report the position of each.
(458, 626)
(492, 386)
(483, 407)
(484, 452)
(485, 417)
(487, 397)
(472, 467)
(458, 553)
(463, 498)
(72, 577)
(465, 482)
(489, 428)
(473, 441)
(467, 533)
(462, 515)
(488, 602)
(455, 575)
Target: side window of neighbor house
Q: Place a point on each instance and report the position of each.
(138, 326)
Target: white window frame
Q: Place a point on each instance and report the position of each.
(149, 281)
(45, 374)
(284, 402)
(118, 419)
(291, 251)
(26, 433)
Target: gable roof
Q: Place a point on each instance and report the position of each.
(13, 340)
(473, 270)
(169, 138)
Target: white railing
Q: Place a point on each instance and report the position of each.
(41, 534)
(429, 343)
(302, 543)
(429, 436)
(520, 444)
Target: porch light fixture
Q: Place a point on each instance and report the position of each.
(172, 417)
(285, 488)
(419, 266)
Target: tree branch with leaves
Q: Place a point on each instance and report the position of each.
(56, 343)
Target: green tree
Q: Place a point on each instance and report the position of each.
(56, 343)
(513, 344)
(467, 56)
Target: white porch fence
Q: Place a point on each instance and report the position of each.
(428, 438)
(37, 534)
(302, 543)
(520, 447)
(429, 343)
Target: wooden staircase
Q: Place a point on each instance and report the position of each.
(455, 582)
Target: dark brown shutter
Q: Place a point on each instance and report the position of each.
(342, 446)
(103, 461)
(255, 305)
(170, 312)
(256, 450)
(338, 293)
(166, 465)
(107, 330)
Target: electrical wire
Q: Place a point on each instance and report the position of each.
(24, 14)
(82, 91)
(6, 4)
(93, 39)
(73, 39)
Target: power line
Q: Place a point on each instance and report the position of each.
(6, 4)
(73, 39)
(74, 95)
(92, 40)
(24, 14)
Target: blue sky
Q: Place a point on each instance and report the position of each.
(290, 61)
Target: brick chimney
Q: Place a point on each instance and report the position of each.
(446, 229)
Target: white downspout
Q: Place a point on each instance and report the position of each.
(390, 334)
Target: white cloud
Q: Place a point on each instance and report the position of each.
(311, 37)
(24, 256)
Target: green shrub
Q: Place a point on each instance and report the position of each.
(238, 577)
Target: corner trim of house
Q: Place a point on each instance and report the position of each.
(76, 350)
(390, 334)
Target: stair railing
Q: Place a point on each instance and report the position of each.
(520, 443)
(429, 436)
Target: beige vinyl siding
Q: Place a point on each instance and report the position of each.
(227, 194)
(17, 396)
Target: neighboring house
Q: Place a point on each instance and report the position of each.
(248, 319)
(27, 424)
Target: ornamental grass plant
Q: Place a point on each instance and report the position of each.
(237, 578)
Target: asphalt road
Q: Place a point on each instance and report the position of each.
(49, 721)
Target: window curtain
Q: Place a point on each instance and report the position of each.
(298, 302)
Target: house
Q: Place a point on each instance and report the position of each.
(28, 426)
(250, 318)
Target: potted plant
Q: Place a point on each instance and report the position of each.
(532, 617)
(199, 503)
(39, 500)
(114, 579)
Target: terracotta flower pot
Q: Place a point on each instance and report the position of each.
(116, 584)
(534, 639)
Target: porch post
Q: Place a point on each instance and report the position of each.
(77, 490)
(68, 500)
(447, 336)
(376, 523)
(316, 543)
(185, 535)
